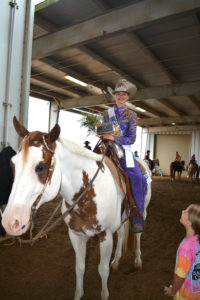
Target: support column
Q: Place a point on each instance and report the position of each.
(16, 31)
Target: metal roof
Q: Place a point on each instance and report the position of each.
(153, 44)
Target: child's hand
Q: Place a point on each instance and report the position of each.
(168, 291)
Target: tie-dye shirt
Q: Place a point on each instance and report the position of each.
(188, 267)
(127, 120)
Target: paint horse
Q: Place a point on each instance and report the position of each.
(45, 165)
(176, 166)
(192, 168)
(6, 179)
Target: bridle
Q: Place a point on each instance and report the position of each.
(49, 175)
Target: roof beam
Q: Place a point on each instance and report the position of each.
(170, 106)
(123, 19)
(63, 70)
(194, 101)
(144, 48)
(52, 85)
(172, 129)
(147, 51)
(103, 4)
(40, 91)
(110, 65)
(168, 120)
(148, 108)
(40, 96)
(44, 24)
(95, 88)
(177, 89)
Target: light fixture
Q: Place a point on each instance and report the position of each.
(140, 109)
(173, 123)
(75, 80)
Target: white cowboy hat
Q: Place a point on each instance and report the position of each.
(123, 85)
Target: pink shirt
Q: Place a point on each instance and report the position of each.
(188, 267)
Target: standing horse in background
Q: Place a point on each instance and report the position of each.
(6, 179)
(46, 164)
(154, 166)
(192, 168)
(176, 166)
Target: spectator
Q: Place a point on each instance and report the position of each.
(186, 282)
(87, 145)
(136, 154)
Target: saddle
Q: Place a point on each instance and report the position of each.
(121, 177)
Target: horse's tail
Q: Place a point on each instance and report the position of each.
(129, 242)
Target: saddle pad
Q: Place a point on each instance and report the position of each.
(119, 179)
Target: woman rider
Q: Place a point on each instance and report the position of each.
(124, 121)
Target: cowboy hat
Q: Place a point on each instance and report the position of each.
(123, 85)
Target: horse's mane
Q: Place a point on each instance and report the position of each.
(80, 150)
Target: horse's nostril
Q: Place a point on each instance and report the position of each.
(16, 224)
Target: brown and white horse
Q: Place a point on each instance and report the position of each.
(46, 164)
(192, 168)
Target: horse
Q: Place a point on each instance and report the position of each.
(46, 164)
(6, 179)
(153, 165)
(192, 168)
(176, 166)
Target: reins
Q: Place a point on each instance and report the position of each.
(43, 232)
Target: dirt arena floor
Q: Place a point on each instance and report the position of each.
(45, 271)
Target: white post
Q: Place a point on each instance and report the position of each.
(15, 64)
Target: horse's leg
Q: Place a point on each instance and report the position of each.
(79, 245)
(138, 260)
(118, 251)
(106, 247)
(173, 175)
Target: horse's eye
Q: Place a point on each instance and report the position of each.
(39, 167)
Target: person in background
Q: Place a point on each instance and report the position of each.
(147, 157)
(177, 157)
(177, 160)
(124, 122)
(136, 154)
(87, 145)
(193, 159)
(186, 282)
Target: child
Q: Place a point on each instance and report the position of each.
(186, 282)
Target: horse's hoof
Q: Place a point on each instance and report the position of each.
(114, 266)
(138, 266)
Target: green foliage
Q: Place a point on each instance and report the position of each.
(89, 121)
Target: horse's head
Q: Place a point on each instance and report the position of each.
(36, 177)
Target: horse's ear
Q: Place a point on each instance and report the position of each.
(21, 130)
(53, 135)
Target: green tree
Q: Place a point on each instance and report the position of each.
(89, 121)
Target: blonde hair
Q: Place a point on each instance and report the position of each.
(194, 217)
